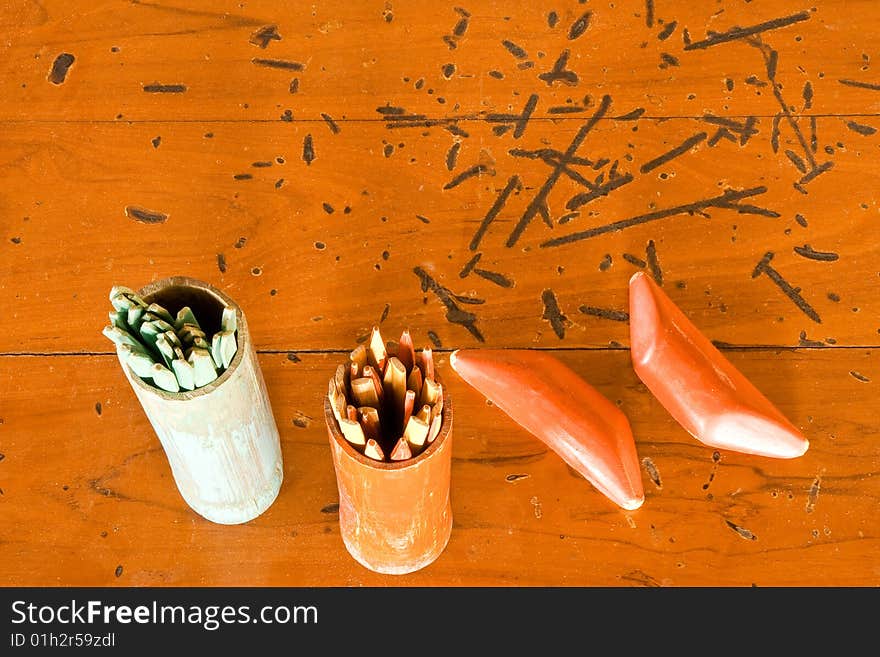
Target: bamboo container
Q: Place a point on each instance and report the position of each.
(221, 440)
(394, 517)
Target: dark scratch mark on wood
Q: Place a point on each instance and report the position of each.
(813, 495)
(552, 19)
(519, 121)
(859, 377)
(579, 200)
(221, 263)
(475, 170)
(633, 260)
(301, 421)
(742, 531)
(631, 116)
(652, 472)
(157, 88)
(327, 208)
(741, 32)
(793, 293)
(684, 147)
(278, 63)
(469, 267)
(667, 30)
(385, 311)
(265, 35)
(308, 154)
(452, 155)
(668, 60)
(804, 341)
(460, 27)
(553, 314)
(814, 139)
(860, 85)
(801, 220)
(494, 277)
(294, 85)
(559, 73)
(435, 340)
(807, 94)
(98, 408)
(331, 508)
(261, 164)
(774, 133)
(641, 577)
(605, 313)
(807, 251)
(653, 262)
(516, 477)
(514, 49)
(580, 26)
(861, 128)
(60, 67)
(540, 199)
(754, 81)
(293, 358)
(334, 128)
(144, 215)
(243, 176)
(512, 184)
(423, 219)
(454, 314)
(649, 13)
(796, 160)
(728, 200)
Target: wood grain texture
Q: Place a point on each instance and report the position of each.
(521, 517)
(485, 174)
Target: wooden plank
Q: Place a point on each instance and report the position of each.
(88, 499)
(356, 57)
(289, 242)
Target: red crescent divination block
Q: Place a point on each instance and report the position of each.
(699, 387)
(551, 401)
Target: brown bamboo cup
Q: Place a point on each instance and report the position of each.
(221, 440)
(395, 518)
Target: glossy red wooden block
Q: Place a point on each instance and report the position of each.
(554, 403)
(699, 387)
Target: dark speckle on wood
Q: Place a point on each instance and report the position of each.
(580, 26)
(605, 313)
(423, 219)
(265, 35)
(156, 141)
(157, 88)
(221, 263)
(278, 63)
(516, 477)
(334, 128)
(243, 176)
(435, 340)
(98, 408)
(861, 128)
(331, 508)
(813, 495)
(859, 377)
(308, 154)
(742, 531)
(553, 314)
(652, 472)
(293, 358)
(301, 421)
(118, 571)
(60, 67)
(144, 215)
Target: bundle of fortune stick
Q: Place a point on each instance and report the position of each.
(172, 352)
(386, 400)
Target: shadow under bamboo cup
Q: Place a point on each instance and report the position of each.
(394, 517)
(221, 440)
